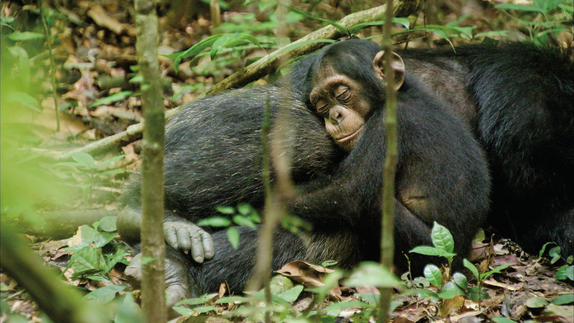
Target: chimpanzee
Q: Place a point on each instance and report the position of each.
(442, 174)
(518, 99)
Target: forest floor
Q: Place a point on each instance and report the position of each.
(95, 54)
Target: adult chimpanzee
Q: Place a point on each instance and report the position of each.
(441, 176)
(519, 100)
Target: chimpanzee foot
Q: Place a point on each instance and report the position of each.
(177, 282)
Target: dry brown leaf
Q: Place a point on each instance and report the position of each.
(449, 305)
(309, 275)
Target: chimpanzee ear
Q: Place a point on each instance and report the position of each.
(398, 65)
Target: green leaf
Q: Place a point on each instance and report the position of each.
(225, 210)
(496, 270)
(342, 29)
(477, 294)
(128, 311)
(105, 294)
(216, 221)
(108, 224)
(183, 311)
(519, 7)
(233, 237)
(541, 252)
(21, 98)
(563, 299)
(555, 254)
(112, 98)
(203, 299)
(244, 221)
(337, 307)
(204, 309)
(292, 294)
(83, 159)
(25, 36)
(442, 238)
(502, 320)
(432, 251)
(372, 274)
(450, 290)
(471, 267)
(536, 302)
(328, 263)
(23, 66)
(460, 280)
(108, 161)
(565, 272)
(370, 298)
(433, 275)
(193, 50)
(402, 21)
(232, 299)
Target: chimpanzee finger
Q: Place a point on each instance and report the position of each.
(207, 244)
(183, 239)
(197, 249)
(170, 236)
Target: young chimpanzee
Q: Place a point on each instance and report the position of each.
(518, 99)
(442, 175)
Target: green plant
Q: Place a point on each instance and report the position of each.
(97, 254)
(564, 272)
(84, 166)
(542, 18)
(244, 215)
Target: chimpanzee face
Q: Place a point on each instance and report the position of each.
(338, 99)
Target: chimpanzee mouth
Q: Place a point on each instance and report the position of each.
(351, 136)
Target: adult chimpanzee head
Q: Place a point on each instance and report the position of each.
(347, 87)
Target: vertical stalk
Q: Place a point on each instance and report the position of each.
(388, 194)
(153, 245)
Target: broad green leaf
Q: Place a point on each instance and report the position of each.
(477, 294)
(433, 275)
(21, 98)
(292, 294)
(183, 311)
(23, 66)
(105, 294)
(442, 238)
(565, 272)
(563, 299)
(471, 267)
(225, 209)
(112, 98)
(370, 298)
(108, 224)
(244, 221)
(204, 309)
(112, 260)
(372, 274)
(84, 159)
(536, 302)
(216, 221)
(233, 236)
(432, 251)
(450, 290)
(555, 254)
(460, 280)
(128, 311)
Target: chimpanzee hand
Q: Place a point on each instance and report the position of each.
(186, 236)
